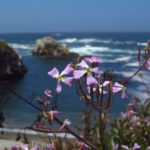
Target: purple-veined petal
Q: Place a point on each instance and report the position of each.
(96, 70)
(136, 146)
(48, 93)
(124, 95)
(54, 73)
(67, 70)
(77, 74)
(67, 80)
(83, 64)
(125, 147)
(58, 88)
(91, 80)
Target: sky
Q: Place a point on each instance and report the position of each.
(19, 16)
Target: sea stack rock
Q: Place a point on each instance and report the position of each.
(49, 47)
(11, 65)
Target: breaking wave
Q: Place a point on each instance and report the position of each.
(21, 46)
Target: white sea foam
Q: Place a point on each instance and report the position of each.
(69, 40)
(142, 44)
(21, 46)
(95, 40)
(89, 50)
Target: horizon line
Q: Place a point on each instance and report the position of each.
(60, 32)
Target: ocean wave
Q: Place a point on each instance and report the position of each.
(21, 46)
(69, 40)
(142, 44)
(95, 40)
(89, 50)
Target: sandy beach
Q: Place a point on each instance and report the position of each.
(8, 137)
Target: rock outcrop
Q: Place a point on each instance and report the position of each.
(11, 65)
(49, 47)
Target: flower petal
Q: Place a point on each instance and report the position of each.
(125, 147)
(91, 80)
(136, 146)
(67, 80)
(48, 93)
(117, 87)
(96, 70)
(124, 95)
(77, 74)
(106, 83)
(58, 88)
(67, 70)
(35, 148)
(83, 64)
(54, 73)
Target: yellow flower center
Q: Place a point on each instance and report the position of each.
(88, 70)
(59, 78)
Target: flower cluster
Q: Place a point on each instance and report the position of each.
(87, 69)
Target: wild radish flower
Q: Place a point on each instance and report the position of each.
(54, 73)
(35, 148)
(86, 70)
(82, 146)
(136, 146)
(100, 86)
(48, 93)
(66, 123)
(118, 87)
(125, 147)
(24, 147)
(148, 64)
(14, 147)
(53, 114)
(93, 59)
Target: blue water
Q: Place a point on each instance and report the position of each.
(117, 50)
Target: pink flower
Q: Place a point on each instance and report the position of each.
(61, 77)
(93, 59)
(14, 147)
(148, 64)
(136, 146)
(86, 70)
(66, 123)
(53, 114)
(24, 147)
(100, 87)
(35, 148)
(118, 87)
(48, 93)
(125, 147)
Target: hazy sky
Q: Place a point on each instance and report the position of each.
(74, 15)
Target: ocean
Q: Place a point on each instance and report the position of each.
(117, 50)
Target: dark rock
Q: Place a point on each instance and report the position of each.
(11, 65)
(49, 47)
